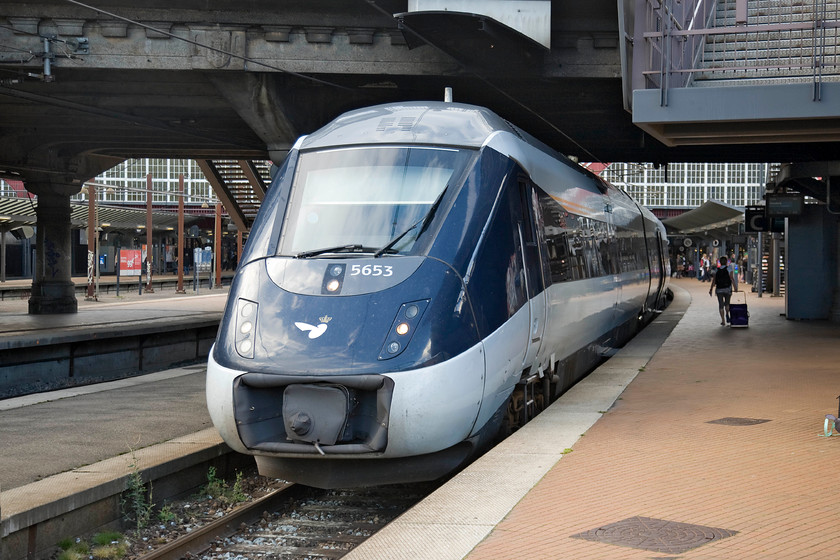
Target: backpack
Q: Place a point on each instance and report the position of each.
(722, 279)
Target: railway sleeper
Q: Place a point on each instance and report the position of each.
(315, 541)
(310, 526)
(339, 513)
(369, 502)
(293, 552)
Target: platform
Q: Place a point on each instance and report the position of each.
(714, 450)
(108, 338)
(695, 441)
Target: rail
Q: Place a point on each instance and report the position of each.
(730, 40)
(195, 542)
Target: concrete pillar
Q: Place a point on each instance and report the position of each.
(52, 285)
(3, 254)
(810, 264)
(835, 307)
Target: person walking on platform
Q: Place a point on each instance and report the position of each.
(733, 272)
(722, 283)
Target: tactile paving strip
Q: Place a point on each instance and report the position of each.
(657, 535)
(733, 421)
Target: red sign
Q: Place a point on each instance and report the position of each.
(130, 262)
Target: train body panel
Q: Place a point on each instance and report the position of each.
(434, 408)
(219, 393)
(419, 276)
(505, 351)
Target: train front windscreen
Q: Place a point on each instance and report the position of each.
(371, 199)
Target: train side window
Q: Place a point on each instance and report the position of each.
(528, 229)
(557, 226)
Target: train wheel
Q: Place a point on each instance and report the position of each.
(545, 395)
(513, 417)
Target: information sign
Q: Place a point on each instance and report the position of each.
(131, 263)
(783, 205)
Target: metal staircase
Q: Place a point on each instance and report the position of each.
(240, 185)
(771, 42)
(736, 71)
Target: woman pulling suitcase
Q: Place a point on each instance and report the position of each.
(722, 283)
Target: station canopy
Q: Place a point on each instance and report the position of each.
(712, 217)
(19, 212)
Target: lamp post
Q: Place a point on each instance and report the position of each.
(180, 256)
(91, 257)
(238, 247)
(218, 245)
(149, 246)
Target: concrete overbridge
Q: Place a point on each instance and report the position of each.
(86, 85)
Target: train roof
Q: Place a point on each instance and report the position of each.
(432, 123)
(427, 122)
(458, 125)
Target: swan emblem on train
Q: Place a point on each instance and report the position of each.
(315, 331)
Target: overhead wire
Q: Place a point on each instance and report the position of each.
(11, 48)
(497, 88)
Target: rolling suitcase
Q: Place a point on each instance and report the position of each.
(739, 315)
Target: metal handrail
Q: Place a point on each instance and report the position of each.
(678, 33)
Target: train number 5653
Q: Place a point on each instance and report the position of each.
(371, 270)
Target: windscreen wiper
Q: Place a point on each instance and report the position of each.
(339, 249)
(424, 220)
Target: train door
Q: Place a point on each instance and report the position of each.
(533, 265)
(664, 266)
(657, 269)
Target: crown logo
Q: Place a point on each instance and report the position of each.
(325, 319)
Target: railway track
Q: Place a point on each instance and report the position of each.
(297, 522)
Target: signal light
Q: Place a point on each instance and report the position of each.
(246, 320)
(402, 329)
(333, 278)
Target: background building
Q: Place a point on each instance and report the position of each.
(668, 190)
(681, 186)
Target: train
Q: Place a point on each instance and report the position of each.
(421, 278)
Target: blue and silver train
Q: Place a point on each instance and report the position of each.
(421, 277)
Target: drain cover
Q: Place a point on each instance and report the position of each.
(732, 421)
(657, 535)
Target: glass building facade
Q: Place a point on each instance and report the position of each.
(689, 185)
(129, 182)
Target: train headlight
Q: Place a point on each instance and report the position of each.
(403, 328)
(246, 321)
(333, 279)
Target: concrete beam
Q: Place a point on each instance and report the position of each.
(739, 115)
(317, 47)
(257, 99)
